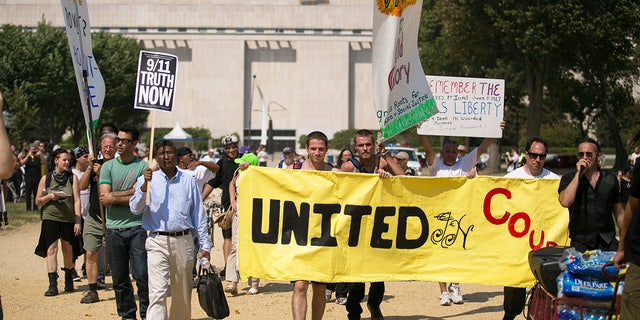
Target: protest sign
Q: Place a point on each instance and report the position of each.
(401, 95)
(156, 81)
(468, 107)
(88, 77)
(349, 227)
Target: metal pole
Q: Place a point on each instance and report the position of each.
(253, 84)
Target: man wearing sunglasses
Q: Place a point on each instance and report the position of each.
(592, 196)
(533, 168)
(125, 235)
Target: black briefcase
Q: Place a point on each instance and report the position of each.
(211, 294)
(544, 264)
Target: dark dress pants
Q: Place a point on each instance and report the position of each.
(356, 294)
(514, 300)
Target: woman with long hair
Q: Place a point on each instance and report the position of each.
(344, 156)
(59, 196)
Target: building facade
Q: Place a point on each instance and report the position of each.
(307, 61)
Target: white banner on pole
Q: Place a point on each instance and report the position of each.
(76, 17)
(400, 92)
(468, 107)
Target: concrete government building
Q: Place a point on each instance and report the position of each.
(310, 59)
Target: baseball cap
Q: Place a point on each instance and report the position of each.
(248, 157)
(402, 155)
(287, 150)
(80, 151)
(183, 151)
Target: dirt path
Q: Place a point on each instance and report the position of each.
(23, 281)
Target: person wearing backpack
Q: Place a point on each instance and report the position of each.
(59, 197)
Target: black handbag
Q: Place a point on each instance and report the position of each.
(211, 295)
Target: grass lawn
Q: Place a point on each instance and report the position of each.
(18, 216)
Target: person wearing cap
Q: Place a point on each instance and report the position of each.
(450, 165)
(244, 149)
(174, 211)
(202, 170)
(231, 269)
(288, 158)
(221, 180)
(81, 155)
(462, 151)
(403, 159)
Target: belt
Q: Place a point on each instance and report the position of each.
(172, 234)
(127, 229)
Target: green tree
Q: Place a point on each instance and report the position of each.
(117, 57)
(39, 78)
(604, 64)
(40, 88)
(569, 62)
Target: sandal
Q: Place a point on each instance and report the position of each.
(231, 289)
(252, 291)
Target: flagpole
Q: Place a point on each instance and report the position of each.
(150, 155)
(85, 76)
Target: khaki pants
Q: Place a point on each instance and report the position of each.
(630, 306)
(169, 258)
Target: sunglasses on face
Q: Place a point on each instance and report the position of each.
(589, 154)
(127, 141)
(534, 155)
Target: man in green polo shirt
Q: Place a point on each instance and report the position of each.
(125, 235)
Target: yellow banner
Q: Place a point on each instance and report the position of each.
(349, 227)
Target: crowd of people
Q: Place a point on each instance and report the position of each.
(150, 222)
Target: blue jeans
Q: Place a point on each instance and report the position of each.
(126, 249)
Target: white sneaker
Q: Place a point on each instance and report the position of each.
(456, 296)
(445, 300)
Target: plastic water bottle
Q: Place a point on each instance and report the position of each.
(204, 263)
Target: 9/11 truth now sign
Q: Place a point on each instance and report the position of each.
(156, 81)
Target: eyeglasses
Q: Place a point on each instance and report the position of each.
(588, 153)
(127, 141)
(533, 155)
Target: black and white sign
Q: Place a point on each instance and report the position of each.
(156, 82)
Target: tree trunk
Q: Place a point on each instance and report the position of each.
(614, 131)
(535, 73)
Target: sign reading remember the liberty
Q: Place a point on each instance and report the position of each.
(400, 92)
(468, 107)
(156, 81)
